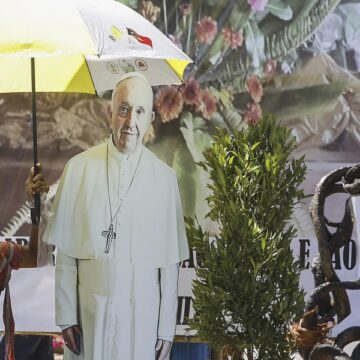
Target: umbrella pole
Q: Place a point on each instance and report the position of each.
(35, 211)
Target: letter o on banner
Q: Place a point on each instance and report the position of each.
(349, 255)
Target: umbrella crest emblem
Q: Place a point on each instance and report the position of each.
(139, 38)
(113, 68)
(116, 34)
(141, 64)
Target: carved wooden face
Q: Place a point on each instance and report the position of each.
(131, 113)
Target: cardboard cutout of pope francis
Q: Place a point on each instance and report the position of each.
(118, 227)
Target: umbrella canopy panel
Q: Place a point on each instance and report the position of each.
(77, 74)
(120, 31)
(39, 28)
(81, 46)
(53, 74)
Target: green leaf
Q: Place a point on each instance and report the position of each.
(165, 148)
(194, 131)
(130, 3)
(255, 43)
(187, 175)
(280, 9)
(221, 175)
(263, 243)
(247, 273)
(280, 40)
(232, 119)
(173, 151)
(268, 164)
(304, 101)
(215, 49)
(239, 17)
(216, 2)
(255, 145)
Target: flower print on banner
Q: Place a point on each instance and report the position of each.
(255, 88)
(252, 114)
(206, 30)
(207, 104)
(239, 64)
(258, 5)
(191, 92)
(270, 68)
(232, 39)
(168, 103)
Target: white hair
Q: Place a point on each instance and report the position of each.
(133, 74)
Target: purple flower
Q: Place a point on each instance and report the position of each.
(258, 5)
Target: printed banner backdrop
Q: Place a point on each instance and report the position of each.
(33, 289)
(299, 61)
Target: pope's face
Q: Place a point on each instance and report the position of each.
(131, 114)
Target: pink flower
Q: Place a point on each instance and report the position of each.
(206, 30)
(207, 104)
(255, 88)
(232, 39)
(185, 9)
(258, 5)
(169, 103)
(253, 114)
(57, 343)
(191, 92)
(270, 67)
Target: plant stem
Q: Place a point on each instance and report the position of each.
(189, 33)
(177, 14)
(165, 17)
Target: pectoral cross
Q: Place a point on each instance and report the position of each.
(109, 236)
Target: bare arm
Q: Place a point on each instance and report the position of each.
(33, 185)
(29, 252)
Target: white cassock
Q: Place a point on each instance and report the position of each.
(126, 299)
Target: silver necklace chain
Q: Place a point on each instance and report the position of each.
(108, 186)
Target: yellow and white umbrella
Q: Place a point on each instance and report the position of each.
(80, 46)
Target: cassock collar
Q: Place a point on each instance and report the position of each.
(119, 156)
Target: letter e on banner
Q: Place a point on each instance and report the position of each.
(304, 253)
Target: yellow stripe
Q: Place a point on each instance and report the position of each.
(116, 33)
(178, 66)
(41, 28)
(52, 74)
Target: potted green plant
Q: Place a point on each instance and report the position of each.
(247, 288)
